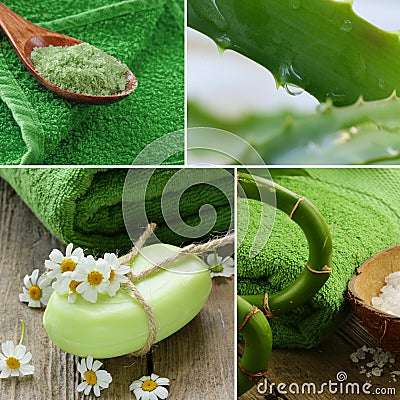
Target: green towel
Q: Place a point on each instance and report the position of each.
(361, 209)
(83, 205)
(38, 127)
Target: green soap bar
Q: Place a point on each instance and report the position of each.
(117, 325)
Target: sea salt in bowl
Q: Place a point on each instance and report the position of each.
(366, 284)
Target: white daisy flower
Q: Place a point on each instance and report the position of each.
(150, 388)
(37, 290)
(14, 360)
(94, 275)
(66, 285)
(220, 266)
(92, 376)
(72, 291)
(117, 274)
(59, 264)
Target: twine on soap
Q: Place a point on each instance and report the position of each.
(190, 249)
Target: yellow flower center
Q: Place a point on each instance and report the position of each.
(95, 278)
(112, 275)
(35, 292)
(68, 265)
(149, 385)
(90, 377)
(12, 363)
(73, 285)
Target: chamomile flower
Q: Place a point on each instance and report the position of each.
(72, 291)
(60, 263)
(37, 290)
(66, 285)
(117, 274)
(92, 376)
(150, 388)
(220, 266)
(93, 275)
(14, 360)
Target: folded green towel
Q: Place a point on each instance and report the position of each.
(38, 127)
(361, 209)
(83, 205)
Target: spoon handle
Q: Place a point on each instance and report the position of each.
(16, 28)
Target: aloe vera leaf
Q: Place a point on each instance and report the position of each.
(322, 46)
(257, 335)
(363, 133)
(316, 230)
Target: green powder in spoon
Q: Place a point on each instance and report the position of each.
(82, 68)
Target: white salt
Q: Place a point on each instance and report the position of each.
(378, 361)
(389, 298)
(377, 371)
(353, 357)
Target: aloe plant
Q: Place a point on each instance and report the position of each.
(324, 47)
(363, 133)
(310, 280)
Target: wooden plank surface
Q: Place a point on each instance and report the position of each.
(198, 359)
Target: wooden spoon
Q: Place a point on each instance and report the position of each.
(25, 36)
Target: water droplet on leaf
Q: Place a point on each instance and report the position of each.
(359, 68)
(336, 96)
(382, 84)
(223, 42)
(291, 80)
(293, 90)
(346, 26)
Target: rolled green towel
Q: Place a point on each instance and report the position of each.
(361, 209)
(38, 127)
(84, 205)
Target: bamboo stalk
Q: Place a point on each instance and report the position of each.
(251, 322)
(258, 345)
(310, 220)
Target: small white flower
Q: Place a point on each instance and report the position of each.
(220, 266)
(37, 290)
(92, 376)
(59, 264)
(150, 388)
(117, 274)
(93, 275)
(67, 286)
(14, 360)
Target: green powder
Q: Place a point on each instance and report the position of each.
(82, 68)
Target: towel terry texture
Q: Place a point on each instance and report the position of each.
(84, 205)
(361, 207)
(39, 127)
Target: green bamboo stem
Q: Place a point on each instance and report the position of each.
(319, 45)
(258, 345)
(310, 220)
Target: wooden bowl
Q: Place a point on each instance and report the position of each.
(367, 283)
